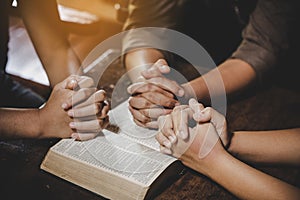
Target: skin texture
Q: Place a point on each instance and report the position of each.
(50, 39)
(227, 170)
(154, 90)
(74, 99)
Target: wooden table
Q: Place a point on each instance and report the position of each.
(270, 108)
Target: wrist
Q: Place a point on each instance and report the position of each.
(40, 119)
(212, 162)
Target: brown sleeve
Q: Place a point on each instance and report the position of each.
(266, 38)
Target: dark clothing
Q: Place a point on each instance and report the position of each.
(4, 6)
(267, 39)
(12, 93)
(15, 95)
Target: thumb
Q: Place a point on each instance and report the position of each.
(157, 69)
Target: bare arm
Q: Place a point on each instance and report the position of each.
(237, 177)
(50, 39)
(268, 147)
(16, 123)
(50, 121)
(236, 75)
(78, 113)
(246, 182)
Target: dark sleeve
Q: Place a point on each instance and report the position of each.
(4, 35)
(267, 37)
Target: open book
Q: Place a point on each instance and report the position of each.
(123, 165)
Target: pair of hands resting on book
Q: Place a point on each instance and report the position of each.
(75, 109)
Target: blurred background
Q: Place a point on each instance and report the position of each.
(89, 23)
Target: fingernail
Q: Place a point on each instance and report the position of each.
(74, 135)
(181, 92)
(172, 139)
(167, 144)
(64, 106)
(166, 151)
(73, 82)
(72, 124)
(193, 101)
(71, 113)
(140, 79)
(164, 67)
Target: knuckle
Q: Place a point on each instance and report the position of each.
(85, 93)
(178, 108)
(130, 101)
(144, 119)
(149, 87)
(209, 111)
(145, 103)
(144, 112)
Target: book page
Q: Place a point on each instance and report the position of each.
(118, 155)
(122, 117)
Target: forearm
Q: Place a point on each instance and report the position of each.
(267, 147)
(50, 39)
(248, 183)
(19, 123)
(61, 65)
(235, 75)
(137, 61)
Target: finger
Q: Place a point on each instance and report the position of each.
(216, 118)
(154, 113)
(139, 116)
(197, 108)
(86, 82)
(165, 125)
(210, 140)
(167, 84)
(142, 87)
(71, 84)
(165, 150)
(76, 82)
(180, 118)
(160, 100)
(81, 95)
(210, 115)
(139, 102)
(139, 123)
(97, 97)
(77, 97)
(152, 125)
(105, 110)
(162, 140)
(93, 109)
(157, 69)
(84, 136)
(86, 126)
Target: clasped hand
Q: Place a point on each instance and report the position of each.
(193, 133)
(154, 96)
(75, 109)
